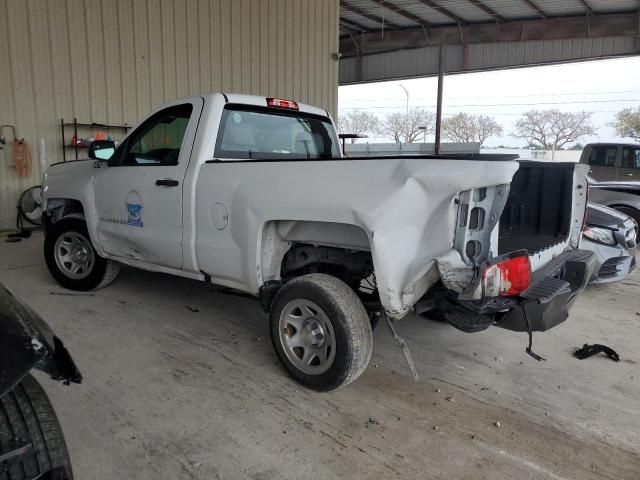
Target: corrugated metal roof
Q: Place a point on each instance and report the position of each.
(441, 12)
(420, 62)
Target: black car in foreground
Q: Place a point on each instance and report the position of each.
(32, 445)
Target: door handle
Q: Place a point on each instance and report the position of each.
(167, 182)
(627, 174)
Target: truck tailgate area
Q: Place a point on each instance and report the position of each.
(537, 215)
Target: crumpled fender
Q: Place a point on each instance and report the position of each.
(412, 232)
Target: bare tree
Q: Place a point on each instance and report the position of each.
(627, 123)
(359, 122)
(466, 128)
(552, 129)
(394, 126)
(408, 126)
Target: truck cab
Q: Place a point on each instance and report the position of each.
(612, 161)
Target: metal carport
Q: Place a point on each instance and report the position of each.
(393, 39)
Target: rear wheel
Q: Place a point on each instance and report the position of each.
(71, 258)
(321, 331)
(31, 436)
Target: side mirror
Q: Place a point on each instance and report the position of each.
(102, 149)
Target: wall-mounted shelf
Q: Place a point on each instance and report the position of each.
(90, 128)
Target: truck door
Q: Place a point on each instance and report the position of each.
(139, 194)
(630, 169)
(603, 161)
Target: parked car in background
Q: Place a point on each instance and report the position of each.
(611, 236)
(612, 161)
(32, 445)
(621, 196)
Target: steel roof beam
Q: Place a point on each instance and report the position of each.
(600, 25)
(351, 25)
(536, 8)
(402, 12)
(443, 11)
(586, 6)
(487, 9)
(362, 13)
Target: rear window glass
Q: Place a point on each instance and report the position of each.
(603, 156)
(255, 133)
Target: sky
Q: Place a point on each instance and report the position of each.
(603, 87)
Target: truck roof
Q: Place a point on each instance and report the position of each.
(260, 101)
(623, 144)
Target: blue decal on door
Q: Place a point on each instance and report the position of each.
(134, 209)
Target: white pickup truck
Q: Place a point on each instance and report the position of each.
(253, 193)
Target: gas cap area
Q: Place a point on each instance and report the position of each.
(219, 216)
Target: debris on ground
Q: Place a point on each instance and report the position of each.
(435, 427)
(589, 350)
(498, 424)
(451, 399)
(371, 421)
(437, 390)
(192, 309)
(498, 359)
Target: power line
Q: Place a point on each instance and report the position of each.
(377, 99)
(502, 104)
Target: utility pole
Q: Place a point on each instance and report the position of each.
(406, 92)
(439, 99)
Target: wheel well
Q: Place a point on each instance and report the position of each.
(290, 249)
(348, 265)
(58, 208)
(617, 206)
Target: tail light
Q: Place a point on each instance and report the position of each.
(507, 275)
(281, 103)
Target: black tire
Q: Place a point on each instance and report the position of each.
(26, 416)
(353, 337)
(103, 272)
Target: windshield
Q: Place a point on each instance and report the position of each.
(255, 133)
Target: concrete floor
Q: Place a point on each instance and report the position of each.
(181, 382)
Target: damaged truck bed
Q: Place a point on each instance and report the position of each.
(252, 193)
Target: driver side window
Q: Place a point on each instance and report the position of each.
(158, 140)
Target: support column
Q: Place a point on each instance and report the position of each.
(439, 99)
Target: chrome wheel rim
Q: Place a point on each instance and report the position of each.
(307, 337)
(74, 255)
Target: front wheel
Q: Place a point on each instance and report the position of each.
(71, 258)
(31, 440)
(321, 332)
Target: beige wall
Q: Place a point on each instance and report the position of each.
(112, 61)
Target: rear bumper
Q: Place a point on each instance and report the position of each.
(546, 302)
(554, 289)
